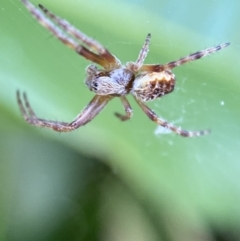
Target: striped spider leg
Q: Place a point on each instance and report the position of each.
(145, 82)
(90, 111)
(184, 60)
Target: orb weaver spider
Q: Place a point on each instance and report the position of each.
(145, 82)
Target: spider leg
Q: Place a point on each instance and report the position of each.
(135, 66)
(32, 119)
(64, 38)
(89, 112)
(151, 114)
(24, 113)
(184, 60)
(29, 111)
(89, 42)
(127, 109)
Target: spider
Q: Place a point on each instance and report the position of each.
(145, 82)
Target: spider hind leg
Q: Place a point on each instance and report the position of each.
(151, 115)
(184, 60)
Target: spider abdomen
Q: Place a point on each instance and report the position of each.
(149, 86)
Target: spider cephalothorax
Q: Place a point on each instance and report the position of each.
(145, 82)
(116, 82)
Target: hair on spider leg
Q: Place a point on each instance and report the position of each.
(145, 82)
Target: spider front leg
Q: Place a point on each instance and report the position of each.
(135, 66)
(151, 114)
(127, 109)
(29, 115)
(105, 59)
(89, 42)
(92, 109)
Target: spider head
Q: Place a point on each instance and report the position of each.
(115, 82)
(97, 80)
(151, 85)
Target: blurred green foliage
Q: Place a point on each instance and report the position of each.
(111, 180)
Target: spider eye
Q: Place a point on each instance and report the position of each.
(95, 86)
